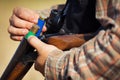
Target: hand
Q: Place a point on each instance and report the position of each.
(43, 50)
(21, 21)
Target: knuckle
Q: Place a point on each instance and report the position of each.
(9, 29)
(18, 11)
(15, 21)
(12, 30)
(12, 20)
(15, 10)
(21, 13)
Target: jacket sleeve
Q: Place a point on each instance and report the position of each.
(97, 59)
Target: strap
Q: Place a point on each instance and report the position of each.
(64, 11)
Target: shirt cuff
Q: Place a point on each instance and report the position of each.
(53, 66)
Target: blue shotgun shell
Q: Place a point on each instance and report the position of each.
(40, 23)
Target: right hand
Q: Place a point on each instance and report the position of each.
(21, 22)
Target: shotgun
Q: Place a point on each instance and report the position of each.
(25, 54)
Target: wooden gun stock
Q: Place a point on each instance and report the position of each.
(65, 42)
(24, 56)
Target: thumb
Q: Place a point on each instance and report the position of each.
(42, 55)
(40, 46)
(36, 43)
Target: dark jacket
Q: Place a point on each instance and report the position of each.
(80, 17)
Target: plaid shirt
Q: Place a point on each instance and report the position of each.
(97, 59)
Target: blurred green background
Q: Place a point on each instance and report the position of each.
(7, 46)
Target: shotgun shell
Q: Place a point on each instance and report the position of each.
(32, 31)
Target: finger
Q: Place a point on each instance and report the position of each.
(26, 14)
(36, 43)
(17, 22)
(44, 29)
(41, 47)
(16, 38)
(17, 31)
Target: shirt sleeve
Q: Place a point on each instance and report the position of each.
(97, 59)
